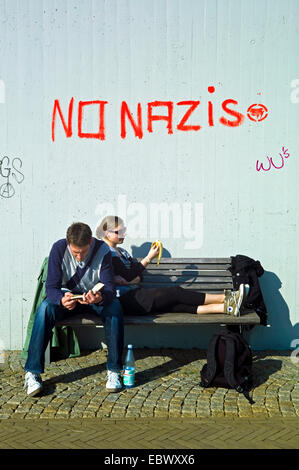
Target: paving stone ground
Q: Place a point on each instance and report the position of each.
(167, 396)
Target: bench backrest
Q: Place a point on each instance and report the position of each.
(209, 275)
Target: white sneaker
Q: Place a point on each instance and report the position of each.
(113, 383)
(34, 384)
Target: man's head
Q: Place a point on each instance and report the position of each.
(79, 238)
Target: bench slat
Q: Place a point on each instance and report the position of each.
(192, 285)
(188, 266)
(182, 279)
(188, 271)
(187, 318)
(166, 318)
(207, 261)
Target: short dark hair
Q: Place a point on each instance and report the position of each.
(79, 234)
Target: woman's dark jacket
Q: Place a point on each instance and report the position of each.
(247, 271)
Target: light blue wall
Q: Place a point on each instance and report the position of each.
(141, 51)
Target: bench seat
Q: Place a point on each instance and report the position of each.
(210, 275)
(250, 318)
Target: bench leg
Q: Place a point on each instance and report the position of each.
(241, 329)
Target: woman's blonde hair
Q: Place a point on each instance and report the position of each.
(110, 222)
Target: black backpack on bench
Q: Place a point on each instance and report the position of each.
(229, 363)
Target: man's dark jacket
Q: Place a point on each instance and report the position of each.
(245, 270)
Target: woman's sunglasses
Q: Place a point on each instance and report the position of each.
(119, 232)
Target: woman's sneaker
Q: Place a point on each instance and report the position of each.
(34, 384)
(113, 383)
(234, 301)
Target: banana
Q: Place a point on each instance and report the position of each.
(160, 245)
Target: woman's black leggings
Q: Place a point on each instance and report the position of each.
(177, 299)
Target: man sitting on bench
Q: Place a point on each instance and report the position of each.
(76, 264)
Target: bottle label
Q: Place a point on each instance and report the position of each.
(129, 377)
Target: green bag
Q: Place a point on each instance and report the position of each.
(64, 342)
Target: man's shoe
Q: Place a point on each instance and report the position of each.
(234, 301)
(34, 384)
(113, 383)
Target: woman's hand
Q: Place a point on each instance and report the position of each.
(153, 252)
(120, 281)
(136, 280)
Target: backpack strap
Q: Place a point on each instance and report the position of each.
(240, 338)
(229, 368)
(211, 361)
(247, 350)
(229, 364)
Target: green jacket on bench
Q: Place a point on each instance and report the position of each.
(64, 339)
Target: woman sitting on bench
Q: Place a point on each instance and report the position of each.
(138, 300)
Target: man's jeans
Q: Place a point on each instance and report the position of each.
(48, 313)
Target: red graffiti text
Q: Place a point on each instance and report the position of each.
(186, 119)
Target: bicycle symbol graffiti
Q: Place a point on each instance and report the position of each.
(7, 171)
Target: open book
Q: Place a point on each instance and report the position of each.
(99, 286)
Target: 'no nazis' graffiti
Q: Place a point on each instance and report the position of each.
(152, 112)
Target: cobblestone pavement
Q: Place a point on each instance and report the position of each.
(167, 390)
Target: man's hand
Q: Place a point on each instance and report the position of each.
(67, 302)
(91, 298)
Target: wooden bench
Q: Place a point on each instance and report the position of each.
(208, 275)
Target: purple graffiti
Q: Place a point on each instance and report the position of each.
(271, 163)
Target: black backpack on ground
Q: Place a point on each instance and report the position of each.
(229, 363)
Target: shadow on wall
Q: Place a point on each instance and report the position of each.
(142, 250)
(280, 332)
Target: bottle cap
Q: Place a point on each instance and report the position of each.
(130, 346)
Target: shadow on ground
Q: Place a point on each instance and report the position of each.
(151, 365)
(263, 369)
(155, 364)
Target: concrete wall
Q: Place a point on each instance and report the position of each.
(139, 51)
